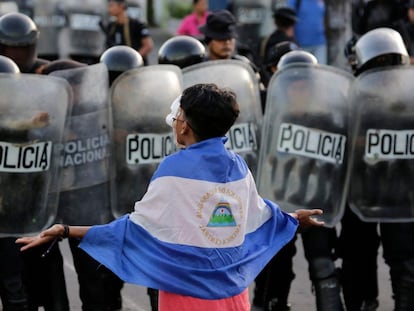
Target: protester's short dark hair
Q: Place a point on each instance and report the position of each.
(209, 110)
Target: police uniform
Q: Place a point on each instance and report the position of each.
(221, 25)
(286, 17)
(289, 179)
(44, 277)
(130, 33)
(360, 240)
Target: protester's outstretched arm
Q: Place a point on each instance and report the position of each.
(305, 219)
(55, 232)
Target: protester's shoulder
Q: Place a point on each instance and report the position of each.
(170, 165)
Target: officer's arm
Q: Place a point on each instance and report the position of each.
(39, 120)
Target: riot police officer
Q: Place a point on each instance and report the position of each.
(44, 277)
(220, 35)
(18, 39)
(124, 30)
(377, 184)
(295, 176)
(274, 53)
(12, 290)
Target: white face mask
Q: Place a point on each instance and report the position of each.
(169, 119)
(175, 108)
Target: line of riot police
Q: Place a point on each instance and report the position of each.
(320, 130)
(316, 103)
(73, 28)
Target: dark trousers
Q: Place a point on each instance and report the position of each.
(99, 288)
(272, 285)
(45, 280)
(12, 290)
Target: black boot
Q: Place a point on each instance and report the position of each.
(326, 285)
(275, 305)
(328, 296)
(370, 305)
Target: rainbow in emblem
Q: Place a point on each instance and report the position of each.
(222, 216)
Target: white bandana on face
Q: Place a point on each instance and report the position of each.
(175, 107)
(169, 119)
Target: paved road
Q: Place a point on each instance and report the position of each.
(136, 299)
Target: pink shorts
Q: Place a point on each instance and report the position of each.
(173, 302)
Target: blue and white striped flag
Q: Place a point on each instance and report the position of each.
(201, 230)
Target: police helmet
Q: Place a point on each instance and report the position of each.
(295, 57)
(7, 65)
(380, 47)
(120, 58)
(277, 51)
(182, 51)
(17, 29)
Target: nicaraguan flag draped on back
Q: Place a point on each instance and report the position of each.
(201, 229)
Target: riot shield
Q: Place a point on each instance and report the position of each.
(382, 130)
(32, 121)
(82, 38)
(140, 100)
(85, 197)
(49, 20)
(303, 153)
(244, 136)
(254, 19)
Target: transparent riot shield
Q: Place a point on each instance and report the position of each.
(85, 197)
(254, 20)
(32, 121)
(303, 153)
(244, 136)
(82, 38)
(382, 129)
(140, 100)
(49, 19)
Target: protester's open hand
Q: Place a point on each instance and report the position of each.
(304, 216)
(46, 236)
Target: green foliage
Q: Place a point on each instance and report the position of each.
(180, 9)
